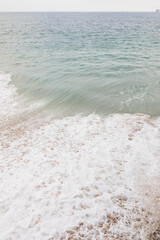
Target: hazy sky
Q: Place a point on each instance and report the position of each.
(79, 5)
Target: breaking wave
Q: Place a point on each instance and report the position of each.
(80, 177)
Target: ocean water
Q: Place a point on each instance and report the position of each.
(84, 62)
(79, 126)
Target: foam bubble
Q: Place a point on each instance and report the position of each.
(77, 177)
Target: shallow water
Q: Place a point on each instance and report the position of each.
(84, 62)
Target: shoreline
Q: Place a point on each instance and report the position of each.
(77, 177)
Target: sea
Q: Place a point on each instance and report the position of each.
(80, 126)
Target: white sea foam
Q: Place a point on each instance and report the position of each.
(77, 177)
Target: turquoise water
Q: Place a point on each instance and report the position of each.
(84, 62)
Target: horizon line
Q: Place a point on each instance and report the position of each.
(39, 11)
